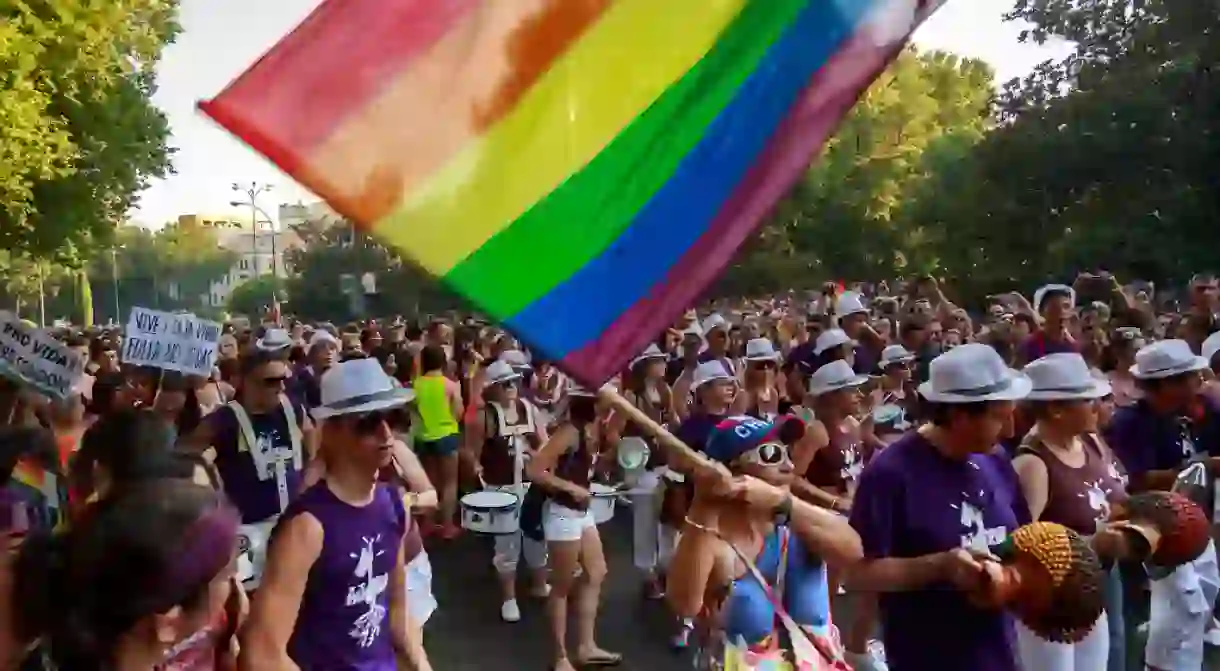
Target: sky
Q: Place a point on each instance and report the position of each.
(221, 38)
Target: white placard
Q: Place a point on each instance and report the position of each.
(179, 342)
(32, 356)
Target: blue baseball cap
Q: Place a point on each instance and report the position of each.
(735, 436)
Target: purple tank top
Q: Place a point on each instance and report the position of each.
(344, 620)
(257, 499)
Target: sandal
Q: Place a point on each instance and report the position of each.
(600, 660)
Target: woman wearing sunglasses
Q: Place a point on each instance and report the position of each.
(262, 443)
(745, 513)
(334, 590)
(564, 467)
(761, 394)
(830, 463)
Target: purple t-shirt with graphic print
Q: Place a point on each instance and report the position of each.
(912, 501)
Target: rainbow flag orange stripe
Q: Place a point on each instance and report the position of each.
(578, 169)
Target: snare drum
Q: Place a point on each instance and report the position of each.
(491, 512)
(252, 540)
(602, 503)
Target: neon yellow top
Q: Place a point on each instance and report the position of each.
(432, 406)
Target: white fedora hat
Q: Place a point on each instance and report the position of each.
(893, 354)
(1166, 358)
(830, 339)
(761, 349)
(1063, 377)
(834, 376)
(356, 386)
(973, 373)
(652, 353)
(274, 340)
(849, 303)
(710, 371)
(501, 371)
(1053, 288)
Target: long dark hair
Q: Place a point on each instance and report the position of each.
(138, 554)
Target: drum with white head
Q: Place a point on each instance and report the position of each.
(491, 512)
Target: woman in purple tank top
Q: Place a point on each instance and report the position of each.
(335, 558)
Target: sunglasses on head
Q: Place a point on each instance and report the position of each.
(767, 454)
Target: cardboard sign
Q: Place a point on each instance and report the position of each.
(179, 342)
(32, 356)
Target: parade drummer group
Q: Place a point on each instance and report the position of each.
(858, 505)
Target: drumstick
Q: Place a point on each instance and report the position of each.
(674, 447)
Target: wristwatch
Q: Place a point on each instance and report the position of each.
(783, 512)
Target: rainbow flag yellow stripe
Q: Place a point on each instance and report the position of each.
(578, 169)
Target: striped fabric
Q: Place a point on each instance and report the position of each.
(578, 169)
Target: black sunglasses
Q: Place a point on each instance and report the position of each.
(366, 423)
(274, 380)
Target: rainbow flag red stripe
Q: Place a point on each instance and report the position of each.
(578, 169)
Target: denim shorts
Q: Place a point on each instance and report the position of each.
(442, 447)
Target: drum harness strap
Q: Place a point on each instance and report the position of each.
(270, 464)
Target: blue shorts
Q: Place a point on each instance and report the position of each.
(442, 447)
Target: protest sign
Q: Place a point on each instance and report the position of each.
(32, 356)
(178, 342)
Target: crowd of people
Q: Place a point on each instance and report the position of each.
(860, 452)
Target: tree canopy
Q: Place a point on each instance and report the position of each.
(79, 135)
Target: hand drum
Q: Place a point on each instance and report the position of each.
(1050, 578)
(1181, 524)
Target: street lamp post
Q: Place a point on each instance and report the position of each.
(114, 280)
(252, 192)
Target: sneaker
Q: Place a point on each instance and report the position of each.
(873, 660)
(541, 592)
(681, 640)
(509, 611)
(1212, 635)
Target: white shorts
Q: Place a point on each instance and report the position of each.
(1181, 611)
(420, 599)
(560, 523)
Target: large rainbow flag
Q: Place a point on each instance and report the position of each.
(578, 169)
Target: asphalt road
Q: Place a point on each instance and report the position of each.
(466, 633)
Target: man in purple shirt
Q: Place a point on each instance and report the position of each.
(929, 505)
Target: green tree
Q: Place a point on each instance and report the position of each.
(842, 219)
(79, 136)
(1104, 159)
(327, 269)
(252, 298)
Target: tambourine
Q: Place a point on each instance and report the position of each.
(1050, 578)
(1177, 529)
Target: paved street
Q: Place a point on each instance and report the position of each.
(467, 634)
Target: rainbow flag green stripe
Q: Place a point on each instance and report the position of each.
(602, 199)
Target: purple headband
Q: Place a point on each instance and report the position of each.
(205, 550)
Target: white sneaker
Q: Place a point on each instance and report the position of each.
(509, 611)
(1212, 635)
(873, 660)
